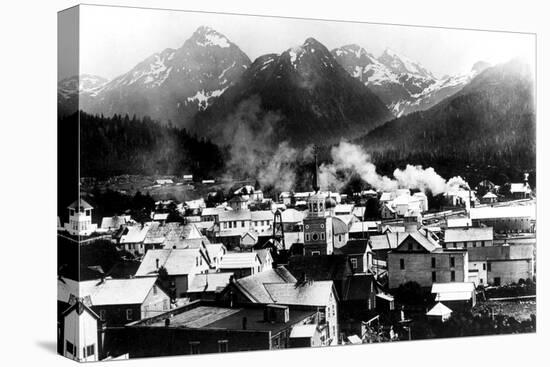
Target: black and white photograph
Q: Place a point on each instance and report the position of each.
(232, 183)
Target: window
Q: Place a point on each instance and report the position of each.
(90, 350)
(197, 261)
(315, 236)
(488, 266)
(444, 245)
(483, 244)
(401, 264)
(155, 290)
(195, 347)
(353, 263)
(333, 310)
(242, 223)
(129, 312)
(434, 276)
(315, 253)
(322, 235)
(480, 280)
(433, 262)
(452, 275)
(70, 347)
(340, 237)
(452, 262)
(322, 225)
(307, 236)
(102, 315)
(223, 346)
(484, 266)
(410, 246)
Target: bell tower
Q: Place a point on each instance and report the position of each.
(318, 222)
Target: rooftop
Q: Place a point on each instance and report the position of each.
(468, 234)
(239, 260)
(107, 292)
(253, 285)
(83, 204)
(214, 317)
(175, 261)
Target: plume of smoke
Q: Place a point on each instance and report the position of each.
(253, 153)
(350, 158)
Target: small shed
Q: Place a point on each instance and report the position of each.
(439, 312)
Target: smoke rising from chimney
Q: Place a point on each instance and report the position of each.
(348, 158)
(253, 153)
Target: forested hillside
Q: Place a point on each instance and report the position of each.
(485, 130)
(123, 145)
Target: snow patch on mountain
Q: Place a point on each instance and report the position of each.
(202, 98)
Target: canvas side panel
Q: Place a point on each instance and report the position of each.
(67, 149)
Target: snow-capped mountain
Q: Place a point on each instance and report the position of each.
(70, 89)
(172, 85)
(301, 95)
(404, 85)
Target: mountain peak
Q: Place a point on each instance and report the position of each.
(207, 36)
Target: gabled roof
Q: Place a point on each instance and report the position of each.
(343, 208)
(136, 233)
(264, 255)
(261, 215)
(107, 292)
(489, 195)
(439, 310)
(172, 234)
(339, 226)
(253, 288)
(304, 331)
(456, 291)
(239, 260)
(175, 261)
(114, 221)
(468, 234)
(309, 294)
(83, 204)
(423, 240)
(215, 248)
(252, 234)
(387, 241)
(231, 215)
(80, 307)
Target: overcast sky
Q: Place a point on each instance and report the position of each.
(113, 40)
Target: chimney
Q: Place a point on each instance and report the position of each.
(244, 323)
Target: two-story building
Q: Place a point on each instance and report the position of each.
(181, 266)
(418, 257)
(280, 287)
(117, 301)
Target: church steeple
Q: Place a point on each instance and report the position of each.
(316, 172)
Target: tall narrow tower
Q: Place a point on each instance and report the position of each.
(317, 224)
